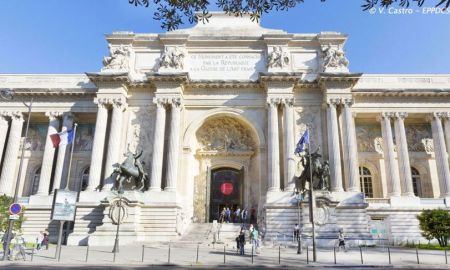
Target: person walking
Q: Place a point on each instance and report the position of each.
(237, 215)
(19, 248)
(254, 237)
(341, 239)
(296, 232)
(45, 239)
(242, 243)
(39, 240)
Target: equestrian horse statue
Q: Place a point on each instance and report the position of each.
(130, 169)
(320, 172)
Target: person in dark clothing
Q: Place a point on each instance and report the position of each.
(241, 243)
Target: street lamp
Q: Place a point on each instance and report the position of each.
(8, 94)
(116, 241)
(299, 198)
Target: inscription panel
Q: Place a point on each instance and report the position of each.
(226, 66)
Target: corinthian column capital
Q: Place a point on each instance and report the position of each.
(175, 102)
(333, 102)
(119, 103)
(401, 115)
(52, 115)
(347, 102)
(273, 101)
(288, 102)
(102, 102)
(18, 116)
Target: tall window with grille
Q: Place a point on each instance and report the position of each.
(35, 181)
(416, 182)
(365, 178)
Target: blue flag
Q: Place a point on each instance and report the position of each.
(301, 143)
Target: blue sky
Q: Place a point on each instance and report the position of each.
(62, 36)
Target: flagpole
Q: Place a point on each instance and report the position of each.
(311, 202)
(61, 222)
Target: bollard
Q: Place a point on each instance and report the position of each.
(445, 250)
(279, 255)
(307, 254)
(114, 258)
(417, 255)
(389, 254)
(360, 253)
(196, 260)
(224, 260)
(143, 247)
(334, 251)
(168, 258)
(87, 253)
(252, 254)
(32, 254)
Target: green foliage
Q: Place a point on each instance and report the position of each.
(171, 13)
(435, 224)
(5, 202)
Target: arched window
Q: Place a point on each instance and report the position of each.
(415, 175)
(35, 181)
(365, 178)
(85, 179)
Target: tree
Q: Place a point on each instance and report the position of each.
(5, 202)
(171, 12)
(435, 224)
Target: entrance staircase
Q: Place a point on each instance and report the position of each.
(207, 233)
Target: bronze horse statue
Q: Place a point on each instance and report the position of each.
(320, 172)
(131, 168)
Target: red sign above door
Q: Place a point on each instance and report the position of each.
(226, 188)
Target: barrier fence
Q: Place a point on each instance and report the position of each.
(182, 253)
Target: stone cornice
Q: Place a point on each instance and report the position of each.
(222, 84)
(178, 77)
(108, 77)
(279, 76)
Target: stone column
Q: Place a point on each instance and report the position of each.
(158, 144)
(350, 150)
(49, 154)
(289, 181)
(114, 143)
(62, 157)
(333, 146)
(3, 132)
(447, 131)
(273, 146)
(11, 155)
(174, 146)
(441, 154)
(98, 146)
(403, 155)
(393, 182)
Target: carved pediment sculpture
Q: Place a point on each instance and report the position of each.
(117, 59)
(172, 58)
(277, 58)
(224, 134)
(334, 59)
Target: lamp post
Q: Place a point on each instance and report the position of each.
(8, 94)
(116, 241)
(299, 198)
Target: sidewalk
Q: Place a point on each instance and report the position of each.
(185, 255)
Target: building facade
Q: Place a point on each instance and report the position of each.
(217, 110)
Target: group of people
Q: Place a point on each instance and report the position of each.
(18, 244)
(253, 236)
(230, 215)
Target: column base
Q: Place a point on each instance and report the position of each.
(274, 189)
(405, 201)
(354, 189)
(170, 189)
(154, 189)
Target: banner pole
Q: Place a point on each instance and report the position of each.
(311, 206)
(61, 222)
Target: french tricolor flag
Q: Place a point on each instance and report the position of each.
(62, 138)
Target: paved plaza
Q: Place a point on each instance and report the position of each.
(184, 255)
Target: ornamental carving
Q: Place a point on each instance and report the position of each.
(117, 59)
(118, 206)
(84, 137)
(369, 138)
(419, 137)
(309, 118)
(141, 134)
(277, 58)
(334, 59)
(321, 215)
(173, 58)
(224, 134)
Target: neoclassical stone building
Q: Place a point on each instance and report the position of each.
(217, 110)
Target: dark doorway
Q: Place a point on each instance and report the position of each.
(226, 191)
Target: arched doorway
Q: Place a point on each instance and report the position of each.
(226, 191)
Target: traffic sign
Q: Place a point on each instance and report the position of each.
(14, 217)
(15, 209)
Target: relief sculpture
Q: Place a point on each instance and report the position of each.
(141, 136)
(224, 134)
(419, 137)
(368, 137)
